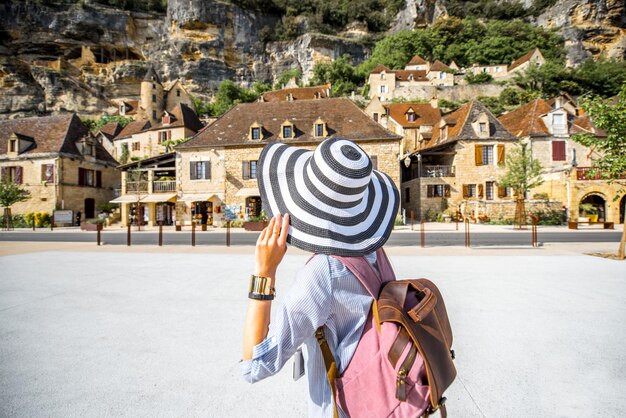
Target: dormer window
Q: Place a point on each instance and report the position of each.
(382, 76)
(411, 116)
(178, 93)
(287, 130)
(256, 132)
(482, 127)
(167, 119)
(122, 110)
(13, 146)
(410, 77)
(319, 128)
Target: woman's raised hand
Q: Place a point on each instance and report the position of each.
(271, 246)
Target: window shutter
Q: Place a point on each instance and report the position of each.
(446, 190)
(465, 191)
(501, 191)
(374, 159)
(480, 191)
(169, 134)
(558, 150)
(81, 177)
(98, 178)
(18, 174)
(478, 151)
(192, 170)
(245, 170)
(500, 154)
(430, 191)
(207, 171)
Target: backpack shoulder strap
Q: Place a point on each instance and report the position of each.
(366, 274)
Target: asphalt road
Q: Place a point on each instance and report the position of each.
(403, 239)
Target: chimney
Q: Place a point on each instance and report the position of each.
(434, 103)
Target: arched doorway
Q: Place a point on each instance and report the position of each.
(90, 208)
(622, 209)
(593, 206)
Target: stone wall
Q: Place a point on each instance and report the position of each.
(63, 192)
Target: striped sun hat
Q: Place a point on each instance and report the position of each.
(338, 205)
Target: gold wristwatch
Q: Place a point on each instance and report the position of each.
(260, 288)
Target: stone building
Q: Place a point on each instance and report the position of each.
(59, 162)
(218, 166)
(143, 139)
(548, 126)
(459, 166)
(106, 135)
(415, 122)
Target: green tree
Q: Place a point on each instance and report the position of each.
(10, 194)
(340, 74)
(610, 116)
(478, 78)
(95, 125)
(523, 173)
(228, 95)
(124, 154)
(285, 76)
(548, 79)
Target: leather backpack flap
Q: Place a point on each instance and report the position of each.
(426, 326)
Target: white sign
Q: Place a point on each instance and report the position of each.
(63, 217)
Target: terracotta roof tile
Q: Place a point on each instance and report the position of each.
(418, 75)
(526, 120)
(426, 114)
(133, 128)
(380, 68)
(417, 60)
(341, 115)
(439, 66)
(300, 93)
(111, 129)
(521, 60)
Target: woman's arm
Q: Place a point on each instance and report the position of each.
(270, 250)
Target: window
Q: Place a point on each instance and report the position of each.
(411, 117)
(558, 123)
(383, 89)
(486, 155)
(154, 116)
(136, 146)
(12, 174)
(13, 145)
(374, 160)
(177, 93)
(482, 127)
(153, 86)
(256, 133)
(382, 76)
(438, 190)
(89, 178)
(154, 98)
(558, 150)
(287, 131)
(469, 190)
(319, 129)
(122, 110)
(489, 190)
(407, 195)
(375, 115)
(442, 75)
(248, 169)
(200, 170)
(47, 173)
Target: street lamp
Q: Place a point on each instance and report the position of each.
(419, 187)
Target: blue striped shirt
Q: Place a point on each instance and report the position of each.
(325, 293)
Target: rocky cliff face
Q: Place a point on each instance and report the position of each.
(590, 27)
(55, 59)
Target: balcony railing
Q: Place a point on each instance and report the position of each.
(437, 171)
(163, 186)
(136, 186)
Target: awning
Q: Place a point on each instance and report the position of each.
(161, 197)
(198, 197)
(248, 191)
(127, 198)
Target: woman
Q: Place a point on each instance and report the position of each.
(329, 202)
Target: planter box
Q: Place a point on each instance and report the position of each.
(254, 226)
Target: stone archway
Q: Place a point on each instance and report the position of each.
(598, 202)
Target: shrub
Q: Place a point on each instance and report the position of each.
(398, 221)
(41, 219)
(547, 217)
(479, 78)
(431, 215)
(541, 196)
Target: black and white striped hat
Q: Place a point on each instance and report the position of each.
(337, 203)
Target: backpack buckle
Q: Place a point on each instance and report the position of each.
(319, 335)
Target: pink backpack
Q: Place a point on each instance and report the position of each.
(403, 361)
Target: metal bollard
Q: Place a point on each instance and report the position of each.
(412, 219)
(99, 232)
(422, 234)
(228, 233)
(193, 234)
(160, 233)
(33, 223)
(128, 236)
(535, 242)
(467, 233)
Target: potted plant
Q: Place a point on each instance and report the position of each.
(256, 223)
(589, 211)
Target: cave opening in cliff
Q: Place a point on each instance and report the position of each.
(108, 55)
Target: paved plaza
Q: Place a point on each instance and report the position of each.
(157, 333)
